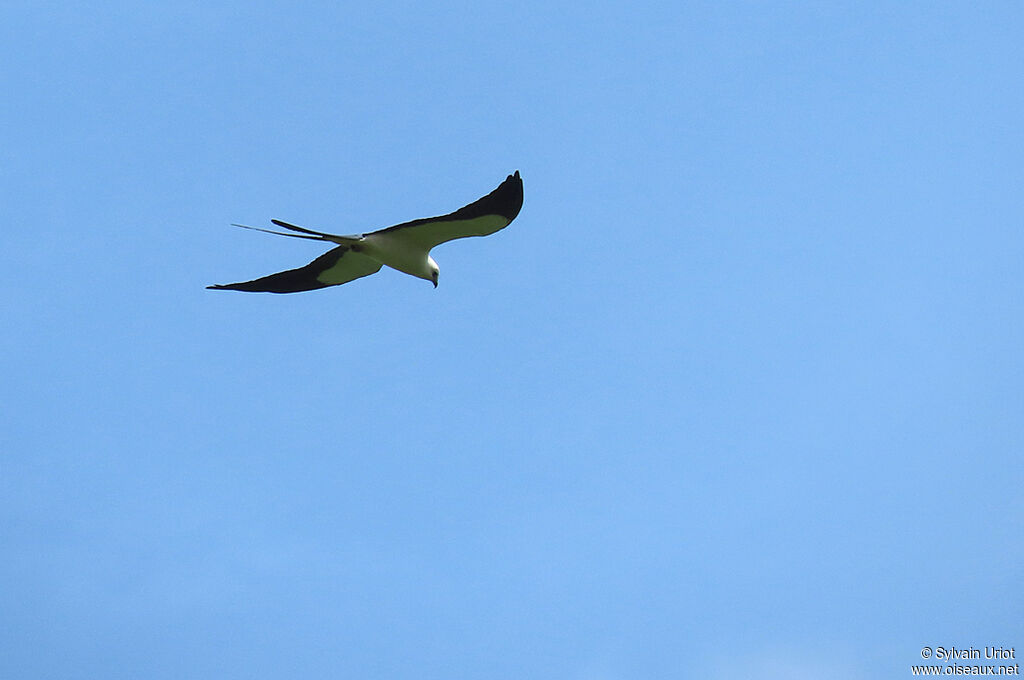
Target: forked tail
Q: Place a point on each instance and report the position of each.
(304, 233)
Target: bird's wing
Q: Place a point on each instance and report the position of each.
(333, 268)
(489, 214)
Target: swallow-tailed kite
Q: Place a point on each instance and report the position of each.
(405, 247)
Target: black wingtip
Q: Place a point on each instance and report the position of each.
(234, 286)
(508, 198)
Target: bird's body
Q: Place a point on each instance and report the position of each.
(405, 247)
(399, 253)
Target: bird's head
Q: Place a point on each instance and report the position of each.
(434, 270)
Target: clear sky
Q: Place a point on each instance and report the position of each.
(738, 394)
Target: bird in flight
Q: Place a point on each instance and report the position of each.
(405, 247)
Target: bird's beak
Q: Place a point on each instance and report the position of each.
(435, 283)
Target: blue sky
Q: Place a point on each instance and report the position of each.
(739, 393)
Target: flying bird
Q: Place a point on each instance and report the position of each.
(405, 247)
